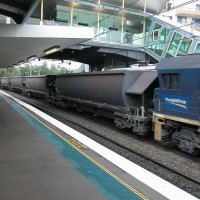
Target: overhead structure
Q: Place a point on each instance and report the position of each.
(21, 10)
(125, 32)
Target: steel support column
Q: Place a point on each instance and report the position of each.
(72, 13)
(144, 22)
(122, 29)
(98, 16)
(42, 12)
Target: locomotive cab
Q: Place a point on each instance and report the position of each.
(176, 114)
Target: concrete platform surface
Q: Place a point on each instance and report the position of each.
(30, 168)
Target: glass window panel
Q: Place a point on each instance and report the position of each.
(115, 36)
(154, 37)
(197, 7)
(156, 32)
(148, 24)
(176, 39)
(136, 30)
(185, 45)
(138, 37)
(162, 41)
(196, 22)
(84, 16)
(182, 20)
(61, 14)
(171, 81)
(168, 55)
(159, 48)
(110, 28)
(197, 50)
(169, 6)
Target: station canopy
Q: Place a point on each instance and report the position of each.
(20, 41)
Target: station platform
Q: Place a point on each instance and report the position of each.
(40, 158)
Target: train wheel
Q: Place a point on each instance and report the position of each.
(188, 141)
(195, 152)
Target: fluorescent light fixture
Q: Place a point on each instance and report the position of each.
(31, 58)
(21, 62)
(52, 50)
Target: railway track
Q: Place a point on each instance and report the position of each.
(108, 141)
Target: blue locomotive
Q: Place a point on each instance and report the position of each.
(165, 100)
(176, 114)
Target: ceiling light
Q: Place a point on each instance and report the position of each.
(14, 65)
(31, 58)
(21, 62)
(128, 23)
(52, 50)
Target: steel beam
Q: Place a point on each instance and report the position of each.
(30, 11)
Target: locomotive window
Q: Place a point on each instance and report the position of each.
(171, 81)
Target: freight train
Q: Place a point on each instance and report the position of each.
(164, 101)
